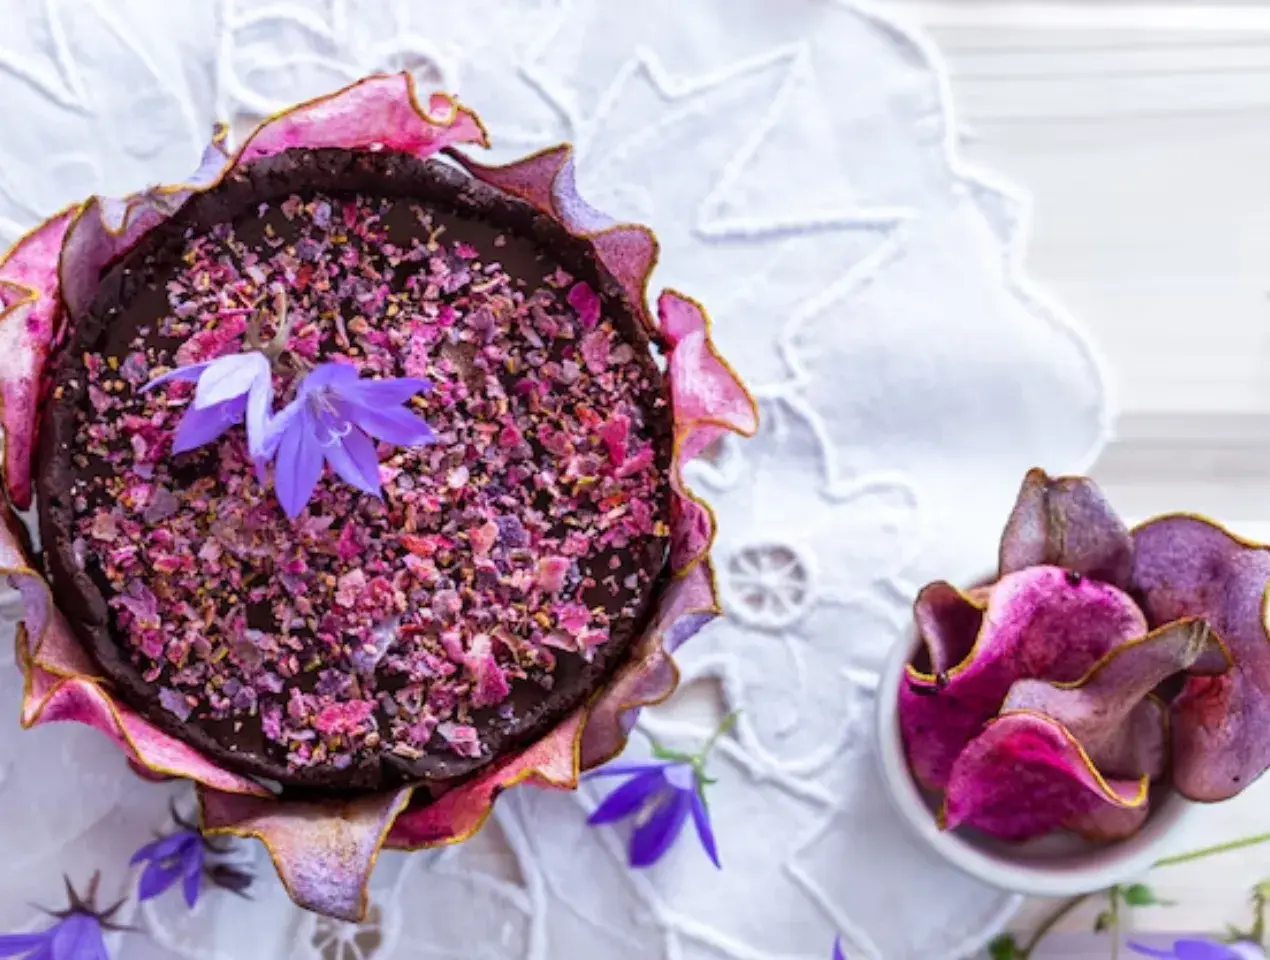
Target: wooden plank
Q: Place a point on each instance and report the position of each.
(1143, 132)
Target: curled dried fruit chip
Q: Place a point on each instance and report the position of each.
(948, 621)
(1066, 522)
(324, 850)
(1039, 623)
(1111, 710)
(1190, 567)
(1026, 776)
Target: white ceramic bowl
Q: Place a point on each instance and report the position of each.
(1059, 866)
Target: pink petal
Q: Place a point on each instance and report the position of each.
(460, 813)
(324, 852)
(1025, 776)
(1038, 624)
(30, 322)
(380, 112)
(1190, 567)
(53, 699)
(709, 401)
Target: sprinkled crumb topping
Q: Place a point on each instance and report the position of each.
(400, 626)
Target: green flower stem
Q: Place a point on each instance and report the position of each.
(1068, 906)
(1228, 847)
(1052, 921)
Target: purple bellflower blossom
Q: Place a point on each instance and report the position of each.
(182, 856)
(178, 856)
(335, 419)
(837, 950)
(1203, 950)
(230, 389)
(660, 796)
(78, 934)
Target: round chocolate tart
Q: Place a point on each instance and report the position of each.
(370, 641)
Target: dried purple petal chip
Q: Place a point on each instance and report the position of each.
(1111, 711)
(1190, 567)
(1066, 522)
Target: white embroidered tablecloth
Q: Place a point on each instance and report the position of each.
(798, 159)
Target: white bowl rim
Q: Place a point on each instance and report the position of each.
(1081, 873)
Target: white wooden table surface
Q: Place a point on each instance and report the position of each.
(1143, 131)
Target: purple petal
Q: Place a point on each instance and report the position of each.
(383, 393)
(701, 817)
(682, 776)
(837, 949)
(354, 459)
(200, 427)
(78, 937)
(185, 374)
(627, 769)
(299, 465)
(20, 944)
(650, 842)
(158, 877)
(259, 407)
(277, 426)
(193, 882)
(628, 798)
(329, 375)
(1150, 951)
(392, 424)
(229, 377)
(162, 848)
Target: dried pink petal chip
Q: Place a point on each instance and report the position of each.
(55, 699)
(377, 113)
(1190, 567)
(948, 621)
(708, 401)
(324, 851)
(1111, 710)
(1040, 623)
(30, 322)
(1025, 776)
(1066, 522)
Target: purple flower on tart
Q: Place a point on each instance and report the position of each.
(78, 934)
(332, 422)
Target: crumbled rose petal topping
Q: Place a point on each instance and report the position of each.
(372, 626)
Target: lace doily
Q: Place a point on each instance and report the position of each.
(798, 159)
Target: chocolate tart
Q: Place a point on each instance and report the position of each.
(367, 643)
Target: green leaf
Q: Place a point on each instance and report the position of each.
(1140, 895)
(1005, 948)
(1104, 922)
